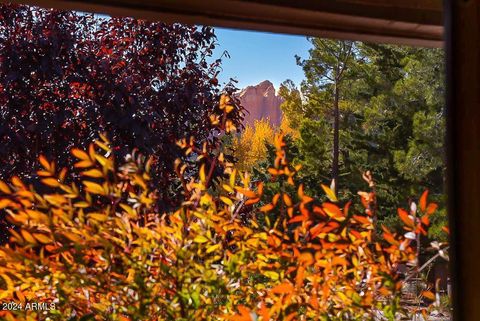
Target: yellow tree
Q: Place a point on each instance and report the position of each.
(249, 146)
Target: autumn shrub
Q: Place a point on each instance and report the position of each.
(102, 251)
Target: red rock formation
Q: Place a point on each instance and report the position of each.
(261, 101)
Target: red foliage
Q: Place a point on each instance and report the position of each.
(65, 76)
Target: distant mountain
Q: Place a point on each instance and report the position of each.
(261, 101)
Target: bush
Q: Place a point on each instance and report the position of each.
(103, 251)
(66, 76)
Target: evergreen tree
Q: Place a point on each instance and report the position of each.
(327, 72)
(390, 121)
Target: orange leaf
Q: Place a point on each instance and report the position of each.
(267, 208)
(4, 188)
(44, 162)
(405, 218)
(274, 171)
(362, 219)
(332, 210)
(42, 238)
(317, 229)
(319, 210)
(244, 314)
(306, 257)
(425, 220)
(300, 191)
(28, 237)
(429, 295)
(16, 181)
(390, 239)
(283, 288)
(300, 276)
(423, 201)
(287, 200)
(252, 201)
(246, 192)
(83, 164)
(339, 261)
(298, 218)
(446, 229)
(94, 188)
(52, 182)
(93, 173)
(4, 203)
(431, 208)
(80, 154)
(264, 312)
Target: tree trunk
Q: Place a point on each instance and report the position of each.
(336, 138)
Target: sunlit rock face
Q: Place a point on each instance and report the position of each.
(261, 101)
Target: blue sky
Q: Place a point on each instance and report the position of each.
(258, 56)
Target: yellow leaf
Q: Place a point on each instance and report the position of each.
(272, 275)
(104, 138)
(330, 194)
(98, 217)
(129, 210)
(232, 178)
(212, 248)
(93, 173)
(72, 237)
(56, 199)
(102, 146)
(226, 200)
(94, 188)
(81, 204)
(343, 297)
(42, 238)
(202, 173)
(102, 160)
(200, 239)
(131, 275)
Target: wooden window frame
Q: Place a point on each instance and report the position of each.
(455, 25)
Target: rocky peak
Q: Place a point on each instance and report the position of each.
(261, 101)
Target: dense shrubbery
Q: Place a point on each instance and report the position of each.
(103, 250)
(66, 76)
(104, 233)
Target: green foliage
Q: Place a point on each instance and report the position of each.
(391, 122)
